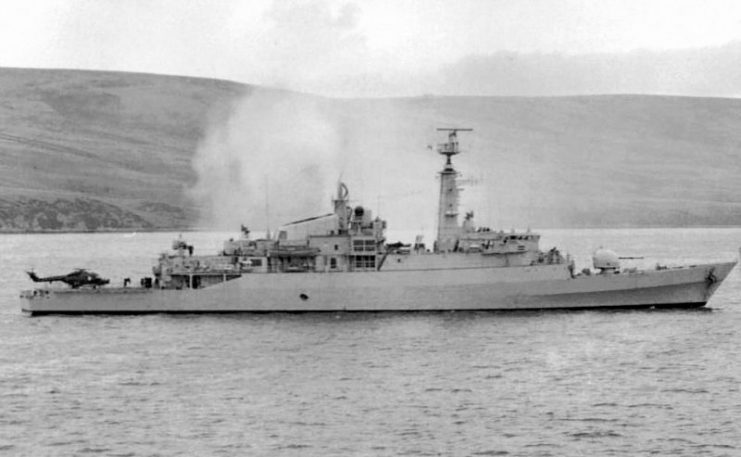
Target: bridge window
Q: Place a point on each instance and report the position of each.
(364, 245)
(365, 262)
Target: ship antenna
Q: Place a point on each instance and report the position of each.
(450, 148)
(267, 209)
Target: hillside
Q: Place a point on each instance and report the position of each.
(91, 150)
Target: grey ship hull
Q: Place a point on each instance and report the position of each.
(518, 288)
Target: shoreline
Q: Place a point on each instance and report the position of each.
(205, 229)
(113, 230)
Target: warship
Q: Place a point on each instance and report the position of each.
(341, 261)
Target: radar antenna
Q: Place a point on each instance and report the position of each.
(450, 148)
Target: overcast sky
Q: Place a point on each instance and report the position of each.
(393, 47)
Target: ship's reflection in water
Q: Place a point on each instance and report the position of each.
(464, 383)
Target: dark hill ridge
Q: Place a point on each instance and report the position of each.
(100, 150)
(64, 214)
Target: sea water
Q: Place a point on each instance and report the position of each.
(619, 383)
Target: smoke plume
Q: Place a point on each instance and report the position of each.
(287, 152)
(273, 158)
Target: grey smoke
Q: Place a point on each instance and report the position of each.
(293, 149)
(709, 71)
(275, 146)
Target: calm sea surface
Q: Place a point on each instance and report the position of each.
(588, 383)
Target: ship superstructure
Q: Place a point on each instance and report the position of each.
(341, 261)
(510, 249)
(352, 240)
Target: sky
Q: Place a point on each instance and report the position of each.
(382, 48)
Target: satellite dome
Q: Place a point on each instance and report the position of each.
(605, 259)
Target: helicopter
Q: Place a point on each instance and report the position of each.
(76, 279)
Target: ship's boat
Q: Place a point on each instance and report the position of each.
(341, 261)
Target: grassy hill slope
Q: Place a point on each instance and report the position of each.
(606, 161)
(92, 150)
